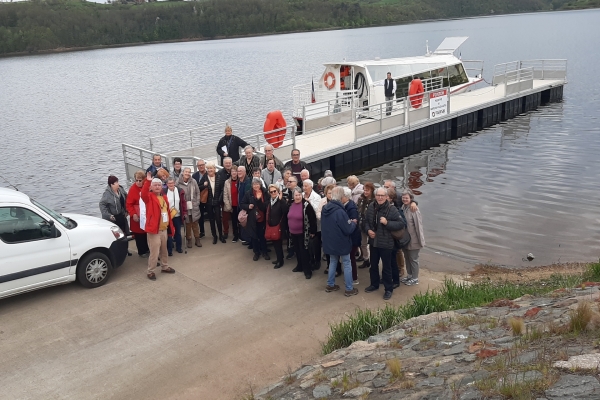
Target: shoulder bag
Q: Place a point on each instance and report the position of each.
(243, 218)
(272, 232)
(401, 236)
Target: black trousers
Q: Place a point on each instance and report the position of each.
(235, 210)
(315, 253)
(385, 255)
(302, 253)
(203, 210)
(278, 246)
(141, 242)
(121, 222)
(214, 215)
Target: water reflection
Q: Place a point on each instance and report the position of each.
(504, 192)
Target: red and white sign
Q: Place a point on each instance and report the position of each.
(438, 103)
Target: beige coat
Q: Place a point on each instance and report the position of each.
(415, 228)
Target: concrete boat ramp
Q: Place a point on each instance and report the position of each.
(218, 325)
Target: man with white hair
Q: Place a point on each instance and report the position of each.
(304, 175)
(337, 228)
(381, 219)
(270, 156)
(158, 219)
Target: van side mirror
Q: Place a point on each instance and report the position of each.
(49, 230)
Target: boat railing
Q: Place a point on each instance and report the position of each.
(500, 71)
(190, 138)
(329, 112)
(547, 69)
(473, 68)
(137, 158)
(542, 69)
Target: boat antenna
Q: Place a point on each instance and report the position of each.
(9, 184)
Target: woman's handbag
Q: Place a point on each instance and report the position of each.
(272, 233)
(204, 196)
(401, 236)
(243, 218)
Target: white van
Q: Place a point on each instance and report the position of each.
(40, 247)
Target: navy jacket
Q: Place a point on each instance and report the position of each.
(352, 212)
(336, 229)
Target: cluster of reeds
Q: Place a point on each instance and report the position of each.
(451, 296)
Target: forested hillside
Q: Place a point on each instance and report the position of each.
(54, 24)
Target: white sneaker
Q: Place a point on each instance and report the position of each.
(406, 279)
(412, 282)
(355, 282)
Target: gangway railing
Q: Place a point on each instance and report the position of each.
(473, 67)
(547, 69)
(191, 137)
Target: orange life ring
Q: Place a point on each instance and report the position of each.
(328, 85)
(275, 122)
(415, 93)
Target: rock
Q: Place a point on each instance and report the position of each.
(380, 382)
(524, 377)
(459, 348)
(431, 382)
(397, 334)
(357, 392)
(582, 362)
(465, 358)
(372, 367)
(527, 358)
(363, 377)
(270, 388)
(308, 383)
(302, 371)
(378, 338)
(574, 387)
(332, 363)
(504, 339)
(471, 394)
(361, 345)
(321, 391)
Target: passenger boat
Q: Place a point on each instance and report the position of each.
(345, 124)
(363, 80)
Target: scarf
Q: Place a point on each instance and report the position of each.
(273, 201)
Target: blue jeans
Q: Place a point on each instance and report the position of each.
(385, 255)
(177, 224)
(347, 271)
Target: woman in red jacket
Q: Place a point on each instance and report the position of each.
(137, 212)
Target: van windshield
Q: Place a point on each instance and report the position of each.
(64, 221)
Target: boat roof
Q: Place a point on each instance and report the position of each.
(443, 56)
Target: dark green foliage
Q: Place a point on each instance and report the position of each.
(53, 24)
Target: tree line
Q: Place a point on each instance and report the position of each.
(39, 25)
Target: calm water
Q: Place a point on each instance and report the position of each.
(529, 185)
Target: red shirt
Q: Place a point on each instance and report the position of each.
(234, 193)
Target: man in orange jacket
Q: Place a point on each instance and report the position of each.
(158, 220)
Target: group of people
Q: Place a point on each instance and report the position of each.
(262, 201)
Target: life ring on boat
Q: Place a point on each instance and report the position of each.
(415, 93)
(329, 84)
(275, 125)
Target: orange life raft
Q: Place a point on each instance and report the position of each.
(275, 122)
(415, 93)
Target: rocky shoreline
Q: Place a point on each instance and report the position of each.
(529, 348)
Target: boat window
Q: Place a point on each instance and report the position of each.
(441, 72)
(424, 75)
(458, 76)
(402, 86)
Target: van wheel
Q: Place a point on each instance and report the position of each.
(93, 270)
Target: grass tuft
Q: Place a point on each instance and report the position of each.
(395, 367)
(517, 326)
(580, 317)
